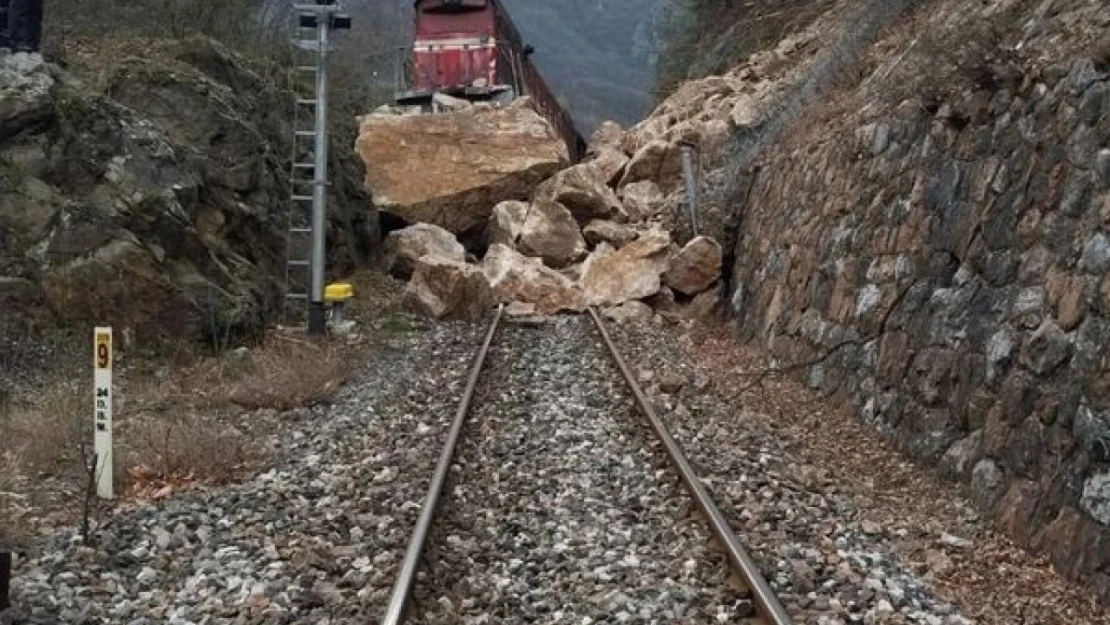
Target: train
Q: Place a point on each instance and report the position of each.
(471, 49)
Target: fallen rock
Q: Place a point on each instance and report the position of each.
(695, 267)
(955, 542)
(545, 229)
(603, 231)
(671, 382)
(663, 300)
(445, 103)
(452, 169)
(642, 199)
(609, 163)
(516, 277)
(404, 247)
(658, 160)
(634, 272)
(505, 223)
(448, 289)
(550, 232)
(583, 191)
(629, 311)
(520, 309)
(704, 305)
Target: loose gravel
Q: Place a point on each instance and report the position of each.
(562, 509)
(315, 539)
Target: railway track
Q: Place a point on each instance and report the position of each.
(522, 432)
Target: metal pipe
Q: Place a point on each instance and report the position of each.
(402, 590)
(691, 184)
(766, 601)
(317, 323)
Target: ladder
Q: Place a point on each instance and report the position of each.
(302, 176)
(305, 256)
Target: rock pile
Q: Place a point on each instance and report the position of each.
(550, 238)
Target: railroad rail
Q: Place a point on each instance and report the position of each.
(767, 604)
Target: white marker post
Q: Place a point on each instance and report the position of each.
(102, 421)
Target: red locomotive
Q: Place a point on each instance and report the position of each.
(470, 49)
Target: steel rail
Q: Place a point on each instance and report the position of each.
(402, 589)
(765, 600)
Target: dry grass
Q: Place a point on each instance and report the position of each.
(164, 453)
(286, 372)
(291, 373)
(177, 425)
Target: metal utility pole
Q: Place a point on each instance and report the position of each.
(323, 17)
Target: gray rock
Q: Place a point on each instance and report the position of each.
(1047, 349)
(1102, 166)
(963, 454)
(1096, 497)
(1096, 253)
(986, 481)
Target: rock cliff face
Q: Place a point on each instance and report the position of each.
(936, 241)
(153, 200)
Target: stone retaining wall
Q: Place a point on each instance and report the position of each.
(942, 261)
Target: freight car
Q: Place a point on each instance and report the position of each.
(470, 49)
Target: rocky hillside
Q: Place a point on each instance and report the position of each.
(917, 209)
(146, 186)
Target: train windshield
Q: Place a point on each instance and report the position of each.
(451, 6)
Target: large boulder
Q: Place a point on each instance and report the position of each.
(451, 169)
(404, 247)
(584, 191)
(550, 232)
(545, 229)
(519, 278)
(633, 272)
(695, 266)
(448, 289)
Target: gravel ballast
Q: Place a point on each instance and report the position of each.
(561, 510)
(560, 507)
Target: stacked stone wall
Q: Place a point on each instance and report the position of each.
(942, 261)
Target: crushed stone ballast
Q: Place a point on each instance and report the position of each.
(524, 533)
